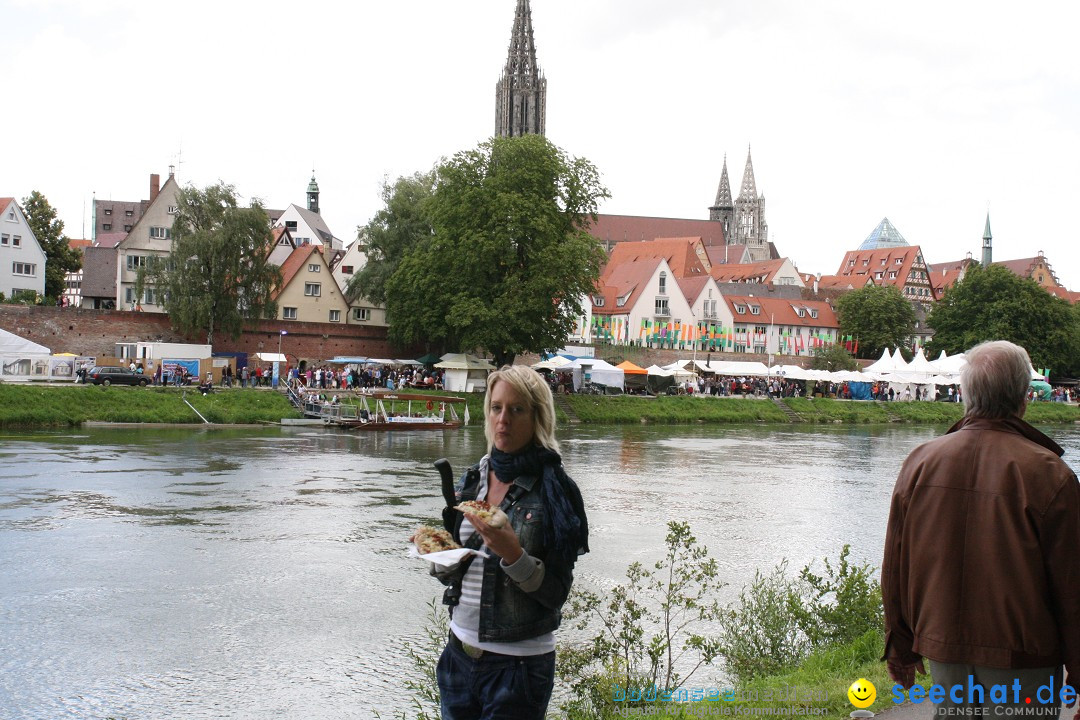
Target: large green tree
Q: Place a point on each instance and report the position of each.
(995, 304)
(218, 275)
(510, 260)
(402, 225)
(60, 258)
(878, 317)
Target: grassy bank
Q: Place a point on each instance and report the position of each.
(623, 409)
(37, 406)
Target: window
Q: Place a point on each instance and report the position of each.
(346, 269)
(851, 263)
(866, 262)
(335, 316)
(127, 228)
(148, 296)
(312, 289)
(128, 213)
(29, 269)
(899, 261)
(106, 226)
(173, 209)
(129, 295)
(598, 301)
(16, 241)
(290, 225)
(108, 211)
(5, 239)
(892, 275)
(161, 233)
(663, 284)
(134, 262)
(661, 306)
(877, 275)
(621, 301)
(314, 267)
(884, 260)
(813, 312)
(755, 309)
(759, 329)
(741, 309)
(288, 313)
(361, 314)
(801, 312)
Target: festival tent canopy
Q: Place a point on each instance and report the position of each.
(657, 370)
(883, 365)
(464, 373)
(789, 372)
(679, 371)
(12, 344)
(898, 361)
(920, 364)
(271, 357)
(949, 363)
(347, 360)
(600, 372)
(429, 359)
(630, 368)
(555, 362)
(739, 367)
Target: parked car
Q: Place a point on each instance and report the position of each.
(99, 375)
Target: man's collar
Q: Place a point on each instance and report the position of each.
(1013, 424)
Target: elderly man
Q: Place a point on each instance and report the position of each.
(981, 573)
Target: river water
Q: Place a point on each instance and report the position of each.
(238, 573)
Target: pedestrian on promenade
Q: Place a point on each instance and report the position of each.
(980, 573)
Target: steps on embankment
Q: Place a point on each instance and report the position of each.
(791, 415)
(562, 404)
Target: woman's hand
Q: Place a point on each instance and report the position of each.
(501, 541)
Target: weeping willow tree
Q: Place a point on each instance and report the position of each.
(219, 275)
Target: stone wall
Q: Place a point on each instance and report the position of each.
(96, 332)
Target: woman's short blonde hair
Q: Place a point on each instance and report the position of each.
(531, 386)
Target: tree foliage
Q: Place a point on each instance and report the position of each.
(995, 304)
(509, 261)
(833, 358)
(878, 317)
(60, 258)
(219, 274)
(400, 226)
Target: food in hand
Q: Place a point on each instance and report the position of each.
(430, 540)
(493, 516)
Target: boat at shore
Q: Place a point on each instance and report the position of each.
(387, 410)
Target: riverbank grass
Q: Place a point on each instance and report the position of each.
(668, 410)
(30, 406)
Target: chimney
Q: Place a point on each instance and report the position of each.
(817, 279)
(155, 186)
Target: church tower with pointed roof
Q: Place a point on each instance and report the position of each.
(313, 195)
(723, 210)
(988, 239)
(749, 227)
(521, 93)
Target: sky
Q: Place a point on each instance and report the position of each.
(929, 113)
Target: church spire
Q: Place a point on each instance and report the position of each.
(521, 93)
(723, 209)
(987, 251)
(749, 187)
(723, 193)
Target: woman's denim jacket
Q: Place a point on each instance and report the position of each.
(512, 611)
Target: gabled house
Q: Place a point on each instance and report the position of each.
(1036, 268)
(346, 264)
(22, 261)
(704, 297)
(640, 302)
(283, 246)
(899, 266)
(769, 272)
(308, 291)
(150, 240)
(73, 280)
(308, 228)
(776, 325)
(944, 275)
(685, 256)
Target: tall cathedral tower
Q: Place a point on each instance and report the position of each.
(521, 93)
(723, 210)
(750, 226)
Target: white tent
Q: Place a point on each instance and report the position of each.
(679, 371)
(898, 361)
(657, 370)
(739, 368)
(599, 372)
(12, 344)
(788, 372)
(464, 373)
(882, 365)
(271, 357)
(555, 362)
(920, 364)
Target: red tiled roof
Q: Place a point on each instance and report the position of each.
(293, 263)
(634, 228)
(727, 254)
(79, 244)
(837, 281)
(109, 240)
(628, 277)
(778, 311)
(1072, 297)
(867, 263)
(692, 286)
(4, 202)
(762, 272)
(679, 252)
(1025, 267)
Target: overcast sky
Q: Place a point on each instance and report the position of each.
(928, 113)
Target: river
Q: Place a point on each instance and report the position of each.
(240, 573)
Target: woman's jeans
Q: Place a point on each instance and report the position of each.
(494, 686)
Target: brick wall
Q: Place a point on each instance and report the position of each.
(96, 332)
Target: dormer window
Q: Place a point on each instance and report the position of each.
(813, 312)
(878, 275)
(801, 312)
(741, 309)
(755, 309)
(621, 301)
(866, 262)
(899, 261)
(598, 300)
(884, 260)
(851, 263)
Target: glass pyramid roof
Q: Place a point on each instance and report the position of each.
(885, 235)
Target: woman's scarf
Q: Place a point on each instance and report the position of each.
(566, 528)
